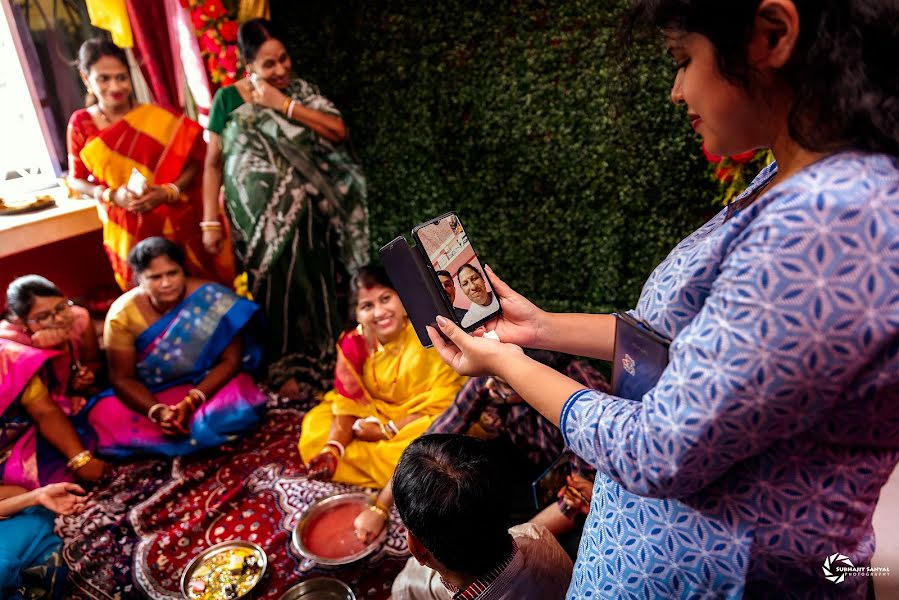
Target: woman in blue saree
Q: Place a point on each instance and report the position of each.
(179, 362)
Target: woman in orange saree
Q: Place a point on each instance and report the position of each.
(113, 139)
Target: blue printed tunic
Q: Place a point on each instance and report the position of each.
(761, 451)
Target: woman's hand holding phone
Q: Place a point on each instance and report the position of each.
(467, 354)
(521, 321)
(267, 95)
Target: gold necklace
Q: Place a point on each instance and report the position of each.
(382, 351)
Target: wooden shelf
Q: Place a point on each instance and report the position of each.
(68, 219)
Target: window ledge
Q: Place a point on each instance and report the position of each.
(69, 218)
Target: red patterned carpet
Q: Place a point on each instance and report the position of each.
(144, 526)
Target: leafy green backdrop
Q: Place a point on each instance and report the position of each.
(571, 169)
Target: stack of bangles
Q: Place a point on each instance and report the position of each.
(287, 106)
(195, 398)
(103, 194)
(173, 193)
(79, 460)
(334, 447)
(211, 225)
(380, 509)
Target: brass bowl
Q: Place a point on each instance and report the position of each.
(217, 549)
(321, 588)
(320, 506)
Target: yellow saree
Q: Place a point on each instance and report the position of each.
(401, 379)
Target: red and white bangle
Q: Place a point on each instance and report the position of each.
(210, 225)
(341, 450)
(99, 191)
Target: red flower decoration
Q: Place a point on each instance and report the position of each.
(228, 60)
(227, 80)
(209, 43)
(214, 9)
(212, 63)
(228, 29)
(197, 19)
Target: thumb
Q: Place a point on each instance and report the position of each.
(453, 332)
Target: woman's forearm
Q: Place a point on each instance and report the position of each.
(212, 185)
(544, 388)
(330, 127)
(187, 175)
(15, 499)
(578, 334)
(385, 496)
(133, 394)
(83, 186)
(342, 429)
(56, 428)
(222, 372)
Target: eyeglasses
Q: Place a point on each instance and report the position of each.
(45, 319)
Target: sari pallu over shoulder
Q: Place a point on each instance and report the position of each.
(159, 144)
(27, 459)
(291, 163)
(174, 354)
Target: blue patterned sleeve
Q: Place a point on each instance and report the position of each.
(805, 298)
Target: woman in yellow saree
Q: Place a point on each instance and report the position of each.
(388, 390)
(114, 138)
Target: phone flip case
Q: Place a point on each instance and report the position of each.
(409, 274)
(639, 358)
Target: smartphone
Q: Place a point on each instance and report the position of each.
(546, 487)
(412, 281)
(457, 271)
(137, 183)
(254, 80)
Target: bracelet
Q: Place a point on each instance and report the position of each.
(379, 510)
(79, 460)
(341, 449)
(381, 505)
(210, 225)
(190, 402)
(393, 428)
(173, 192)
(99, 191)
(197, 394)
(290, 107)
(285, 105)
(153, 409)
(106, 196)
(386, 432)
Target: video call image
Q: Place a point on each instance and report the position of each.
(459, 270)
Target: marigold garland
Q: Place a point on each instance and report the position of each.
(215, 25)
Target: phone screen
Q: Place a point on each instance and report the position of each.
(456, 265)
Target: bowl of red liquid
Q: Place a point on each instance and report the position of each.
(325, 535)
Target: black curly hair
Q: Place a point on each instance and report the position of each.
(842, 72)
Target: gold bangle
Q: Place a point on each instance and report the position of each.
(285, 105)
(381, 505)
(106, 196)
(379, 510)
(79, 460)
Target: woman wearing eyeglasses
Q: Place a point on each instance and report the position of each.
(49, 359)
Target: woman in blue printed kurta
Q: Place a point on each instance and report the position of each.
(761, 451)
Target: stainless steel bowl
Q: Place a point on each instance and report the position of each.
(318, 507)
(224, 547)
(322, 588)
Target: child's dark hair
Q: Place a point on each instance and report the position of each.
(842, 71)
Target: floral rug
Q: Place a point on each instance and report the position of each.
(142, 528)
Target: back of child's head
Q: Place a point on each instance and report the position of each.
(449, 492)
(842, 73)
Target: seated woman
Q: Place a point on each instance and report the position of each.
(40, 315)
(179, 357)
(388, 390)
(30, 562)
(38, 444)
(114, 137)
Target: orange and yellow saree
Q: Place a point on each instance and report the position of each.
(159, 144)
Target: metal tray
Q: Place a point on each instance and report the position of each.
(217, 549)
(320, 506)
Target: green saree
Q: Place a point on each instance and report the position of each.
(297, 208)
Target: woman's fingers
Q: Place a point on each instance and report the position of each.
(500, 286)
(74, 488)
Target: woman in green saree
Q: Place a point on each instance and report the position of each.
(295, 199)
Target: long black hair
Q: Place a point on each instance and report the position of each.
(252, 34)
(842, 71)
